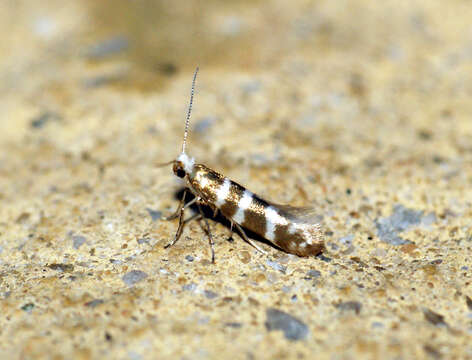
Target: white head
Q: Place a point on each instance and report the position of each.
(184, 164)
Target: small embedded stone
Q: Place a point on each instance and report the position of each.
(293, 328)
(312, 274)
(468, 301)
(355, 306)
(78, 241)
(134, 276)
(94, 303)
(154, 214)
(434, 318)
(210, 294)
(276, 266)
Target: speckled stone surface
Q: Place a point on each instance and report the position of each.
(360, 109)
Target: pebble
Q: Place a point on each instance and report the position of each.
(377, 325)
(401, 219)
(107, 47)
(28, 308)
(276, 266)
(134, 276)
(234, 325)
(155, 214)
(94, 303)
(61, 267)
(349, 305)
(203, 125)
(313, 274)
(293, 328)
(189, 287)
(468, 301)
(78, 241)
(434, 318)
(347, 240)
(42, 119)
(210, 294)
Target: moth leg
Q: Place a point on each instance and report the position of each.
(181, 206)
(231, 231)
(244, 236)
(182, 223)
(177, 212)
(208, 233)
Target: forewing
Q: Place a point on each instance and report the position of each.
(302, 214)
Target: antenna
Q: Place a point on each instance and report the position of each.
(187, 121)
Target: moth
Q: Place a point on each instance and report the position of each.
(293, 229)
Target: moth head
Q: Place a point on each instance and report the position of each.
(183, 165)
(178, 169)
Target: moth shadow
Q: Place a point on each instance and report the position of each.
(208, 214)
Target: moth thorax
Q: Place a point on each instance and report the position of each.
(185, 163)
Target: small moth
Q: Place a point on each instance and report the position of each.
(293, 229)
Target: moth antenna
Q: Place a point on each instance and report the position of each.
(187, 121)
(164, 164)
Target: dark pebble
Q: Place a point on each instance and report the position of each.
(432, 352)
(133, 277)
(276, 266)
(61, 267)
(168, 68)
(234, 325)
(401, 219)
(94, 303)
(108, 47)
(434, 318)
(347, 240)
(210, 294)
(155, 214)
(349, 305)
(143, 241)
(108, 336)
(203, 125)
(468, 301)
(312, 274)
(78, 241)
(323, 258)
(293, 328)
(43, 118)
(189, 287)
(28, 307)
(102, 80)
(189, 258)
(333, 246)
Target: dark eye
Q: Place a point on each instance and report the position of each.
(180, 173)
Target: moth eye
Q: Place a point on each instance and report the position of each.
(178, 169)
(180, 173)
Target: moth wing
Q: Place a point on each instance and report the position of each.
(300, 214)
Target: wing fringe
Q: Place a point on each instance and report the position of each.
(299, 214)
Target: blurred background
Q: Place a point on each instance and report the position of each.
(153, 39)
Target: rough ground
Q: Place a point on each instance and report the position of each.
(361, 109)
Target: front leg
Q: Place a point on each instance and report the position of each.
(178, 211)
(182, 223)
(181, 206)
(180, 214)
